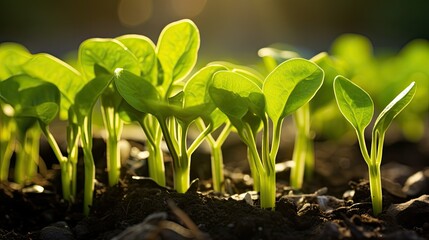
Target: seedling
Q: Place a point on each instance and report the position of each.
(303, 152)
(108, 54)
(12, 56)
(33, 101)
(248, 105)
(219, 119)
(357, 107)
(69, 82)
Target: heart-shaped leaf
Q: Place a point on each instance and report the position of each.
(12, 56)
(177, 50)
(144, 50)
(31, 97)
(139, 93)
(51, 69)
(354, 103)
(386, 117)
(108, 54)
(291, 85)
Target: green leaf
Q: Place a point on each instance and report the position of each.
(177, 50)
(88, 95)
(12, 56)
(51, 69)
(31, 97)
(354, 103)
(139, 93)
(144, 50)
(235, 95)
(196, 90)
(394, 108)
(291, 85)
(108, 54)
(248, 72)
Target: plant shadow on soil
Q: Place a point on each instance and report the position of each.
(335, 204)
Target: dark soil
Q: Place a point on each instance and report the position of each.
(335, 204)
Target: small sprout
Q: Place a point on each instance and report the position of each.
(357, 107)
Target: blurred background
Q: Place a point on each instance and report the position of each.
(229, 29)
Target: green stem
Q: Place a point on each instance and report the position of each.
(114, 125)
(300, 150)
(267, 177)
(268, 190)
(89, 166)
(156, 164)
(19, 176)
(156, 157)
(362, 145)
(217, 157)
(197, 142)
(255, 163)
(309, 160)
(217, 167)
(275, 145)
(7, 140)
(181, 178)
(72, 150)
(253, 170)
(31, 146)
(375, 188)
(65, 177)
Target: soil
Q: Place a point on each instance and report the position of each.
(335, 204)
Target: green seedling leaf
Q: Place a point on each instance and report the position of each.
(88, 95)
(354, 103)
(196, 90)
(51, 69)
(235, 95)
(31, 97)
(12, 56)
(144, 50)
(291, 85)
(108, 54)
(140, 94)
(394, 108)
(248, 72)
(177, 50)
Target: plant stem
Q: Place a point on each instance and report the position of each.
(300, 149)
(65, 177)
(19, 176)
(86, 140)
(151, 128)
(375, 188)
(181, 179)
(31, 147)
(114, 125)
(7, 140)
(217, 167)
(268, 190)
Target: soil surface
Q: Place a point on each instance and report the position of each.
(335, 204)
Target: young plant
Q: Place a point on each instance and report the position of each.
(176, 52)
(69, 82)
(174, 116)
(217, 118)
(303, 152)
(248, 105)
(12, 56)
(144, 50)
(108, 54)
(358, 108)
(33, 101)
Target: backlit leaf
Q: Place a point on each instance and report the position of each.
(394, 108)
(354, 103)
(290, 85)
